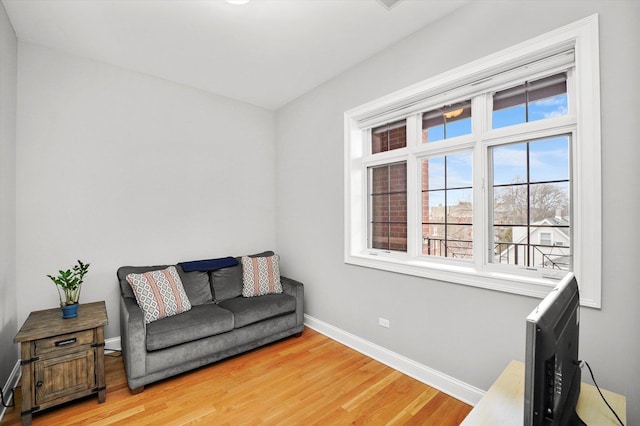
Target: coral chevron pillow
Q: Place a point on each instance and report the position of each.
(260, 275)
(159, 293)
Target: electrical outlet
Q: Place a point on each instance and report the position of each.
(383, 322)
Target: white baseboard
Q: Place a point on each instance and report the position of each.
(112, 345)
(447, 384)
(12, 382)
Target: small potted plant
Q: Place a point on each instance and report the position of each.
(69, 284)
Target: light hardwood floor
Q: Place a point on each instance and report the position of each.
(310, 380)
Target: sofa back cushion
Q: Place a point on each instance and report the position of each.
(227, 283)
(196, 283)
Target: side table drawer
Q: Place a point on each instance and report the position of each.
(64, 341)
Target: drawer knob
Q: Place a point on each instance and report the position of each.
(39, 384)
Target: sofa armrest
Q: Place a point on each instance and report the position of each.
(133, 337)
(295, 289)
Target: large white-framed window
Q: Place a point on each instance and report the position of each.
(487, 175)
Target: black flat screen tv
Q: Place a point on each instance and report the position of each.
(552, 367)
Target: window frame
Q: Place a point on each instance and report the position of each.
(583, 120)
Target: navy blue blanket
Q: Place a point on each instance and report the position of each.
(209, 264)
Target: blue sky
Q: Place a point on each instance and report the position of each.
(549, 158)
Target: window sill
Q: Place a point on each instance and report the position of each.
(463, 273)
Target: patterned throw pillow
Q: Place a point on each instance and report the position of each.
(159, 293)
(260, 275)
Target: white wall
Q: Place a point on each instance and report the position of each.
(8, 298)
(119, 168)
(468, 333)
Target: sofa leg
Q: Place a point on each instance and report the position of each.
(298, 334)
(137, 390)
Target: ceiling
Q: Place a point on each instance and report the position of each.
(266, 52)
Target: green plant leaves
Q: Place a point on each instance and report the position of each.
(69, 282)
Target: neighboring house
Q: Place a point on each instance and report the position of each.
(545, 244)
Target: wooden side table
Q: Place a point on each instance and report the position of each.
(62, 359)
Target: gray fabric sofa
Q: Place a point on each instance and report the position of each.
(220, 324)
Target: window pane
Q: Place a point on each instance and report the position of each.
(380, 180)
(398, 208)
(433, 240)
(549, 202)
(398, 236)
(549, 159)
(433, 173)
(448, 241)
(509, 164)
(458, 127)
(509, 116)
(398, 178)
(460, 241)
(459, 170)
(388, 207)
(555, 257)
(531, 225)
(547, 97)
(389, 137)
(447, 206)
(380, 208)
(505, 251)
(553, 248)
(433, 134)
(548, 108)
(459, 204)
(531, 101)
(380, 233)
(510, 205)
(503, 235)
(446, 122)
(433, 206)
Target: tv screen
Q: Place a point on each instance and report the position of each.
(552, 368)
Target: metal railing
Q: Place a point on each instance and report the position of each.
(528, 255)
(533, 255)
(461, 249)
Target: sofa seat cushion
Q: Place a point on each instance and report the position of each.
(254, 309)
(200, 322)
